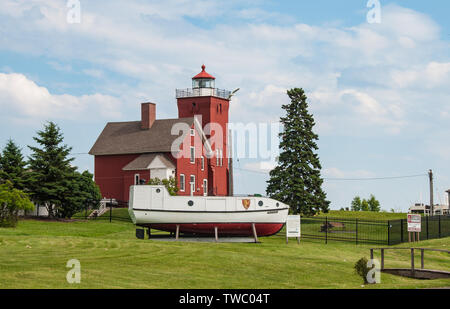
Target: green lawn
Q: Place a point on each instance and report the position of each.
(34, 255)
(364, 215)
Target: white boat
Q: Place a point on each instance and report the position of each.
(153, 206)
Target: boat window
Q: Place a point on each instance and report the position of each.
(191, 203)
(278, 204)
(260, 203)
(158, 190)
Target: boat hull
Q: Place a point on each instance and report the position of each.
(152, 206)
(223, 229)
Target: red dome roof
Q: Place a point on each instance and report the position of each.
(203, 74)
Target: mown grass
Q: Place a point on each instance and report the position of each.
(370, 215)
(34, 255)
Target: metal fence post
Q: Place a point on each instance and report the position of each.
(439, 226)
(356, 228)
(389, 232)
(110, 212)
(401, 229)
(326, 230)
(427, 227)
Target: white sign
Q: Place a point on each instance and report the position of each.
(414, 223)
(293, 226)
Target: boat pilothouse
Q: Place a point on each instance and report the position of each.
(153, 206)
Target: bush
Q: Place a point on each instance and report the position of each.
(170, 184)
(362, 269)
(11, 202)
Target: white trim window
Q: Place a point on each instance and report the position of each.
(192, 155)
(182, 182)
(192, 184)
(205, 187)
(203, 163)
(217, 157)
(192, 132)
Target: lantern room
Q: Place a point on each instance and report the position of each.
(203, 80)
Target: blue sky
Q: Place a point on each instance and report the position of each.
(379, 92)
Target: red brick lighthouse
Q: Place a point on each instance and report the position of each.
(128, 152)
(212, 105)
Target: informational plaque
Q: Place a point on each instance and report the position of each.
(414, 223)
(293, 227)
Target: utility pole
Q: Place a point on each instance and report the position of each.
(430, 174)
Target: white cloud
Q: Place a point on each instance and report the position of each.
(27, 99)
(262, 167)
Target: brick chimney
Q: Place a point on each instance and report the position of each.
(148, 115)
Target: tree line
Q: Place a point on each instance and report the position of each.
(46, 178)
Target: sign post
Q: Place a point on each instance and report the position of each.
(293, 227)
(414, 227)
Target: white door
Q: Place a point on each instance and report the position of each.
(205, 187)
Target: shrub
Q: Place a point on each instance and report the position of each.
(11, 202)
(170, 184)
(362, 269)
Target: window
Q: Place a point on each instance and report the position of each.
(192, 154)
(192, 132)
(136, 179)
(192, 184)
(203, 163)
(219, 157)
(205, 187)
(182, 182)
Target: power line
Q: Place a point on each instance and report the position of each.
(348, 179)
(377, 178)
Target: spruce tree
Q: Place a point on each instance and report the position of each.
(51, 173)
(12, 166)
(81, 193)
(296, 180)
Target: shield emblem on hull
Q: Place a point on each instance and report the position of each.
(246, 203)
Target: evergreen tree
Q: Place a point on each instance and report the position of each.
(296, 180)
(51, 175)
(12, 166)
(81, 192)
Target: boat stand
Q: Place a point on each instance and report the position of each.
(255, 235)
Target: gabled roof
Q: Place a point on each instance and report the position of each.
(143, 162)
(128, 137)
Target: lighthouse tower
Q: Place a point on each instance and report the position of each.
(211, 104)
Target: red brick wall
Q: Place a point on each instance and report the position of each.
(213, 110)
